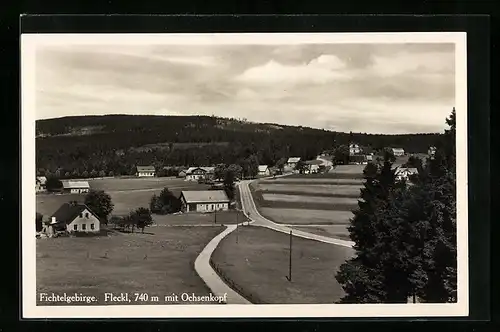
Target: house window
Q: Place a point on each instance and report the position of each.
(92, 226)
(81, 215)
(87, 215)
(75, 227)
(84, 226)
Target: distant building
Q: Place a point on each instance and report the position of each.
(204, 201)
(199, 173)
(369, 157)
(181, 174)
(404, 173)
(73, 217)
(398, 152)
(359, 159)
(291, 163)
(41, 184)
(145, 171)
(76, 187)
(264, 170)
(354, 149)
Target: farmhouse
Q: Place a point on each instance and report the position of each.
(76, 187)
(204, 201)
(397, 152)
(292, 162)
(73, 217)
(41, 184)
(404, 173)
(354, 149)
(199, 173)
(312, 166)
(145, 171)
(264, 170)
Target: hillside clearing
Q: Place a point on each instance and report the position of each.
(304, 217)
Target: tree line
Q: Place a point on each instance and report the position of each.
(112, 147)
(405, 235)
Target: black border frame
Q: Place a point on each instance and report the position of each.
(477, 28)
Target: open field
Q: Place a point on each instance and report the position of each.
(309, 199)
(304, 180)
(158, 264)
(320, 189)
(335, 231)
(194, 219)
(126, 194)
(304, 217)
(134, 183)
(255, 262)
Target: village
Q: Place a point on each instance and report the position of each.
(71, 217)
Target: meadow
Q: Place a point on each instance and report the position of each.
(159, 262)
(255, 261)
(316, 203)
(127, 194)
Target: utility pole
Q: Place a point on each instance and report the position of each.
(289, 277)
(236, 232)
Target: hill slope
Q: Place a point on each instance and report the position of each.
(117, 143)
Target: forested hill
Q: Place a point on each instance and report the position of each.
(117, 143)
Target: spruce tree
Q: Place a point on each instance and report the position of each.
(361, 277)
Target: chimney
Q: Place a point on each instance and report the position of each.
(53, 220)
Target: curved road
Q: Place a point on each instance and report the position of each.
(250, 209)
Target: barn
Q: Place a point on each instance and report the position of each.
(76, 187)
(204, 201)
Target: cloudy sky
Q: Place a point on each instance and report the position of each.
(372, 88)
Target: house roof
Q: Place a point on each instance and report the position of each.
(293, 159)
(68, 212)
(75, 184)
(205, 196)
(146, 169)
(397, 149)
(411, 170)
(41, 179)
(263, 168)
(205, 169)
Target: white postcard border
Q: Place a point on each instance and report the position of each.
(29, 43)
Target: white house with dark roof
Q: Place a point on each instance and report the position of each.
(76, 187)
(264, 170)
(204, 201)
(354, 149)
(198, 173)
(145, 171)
(398, 152)
(73, 217)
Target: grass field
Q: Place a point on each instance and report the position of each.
(193, 219)
(305, 217)
(127, 194)
(255, 261)
(303, 180)
(320, 189)
(331, 200)
(336, 231)
(158, 264)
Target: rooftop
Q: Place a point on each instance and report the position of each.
(145, 168)
(293, 159)
(263, 168)
(205, 196)
(75, 184)
(69, 211)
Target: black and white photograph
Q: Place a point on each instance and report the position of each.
(244, 175)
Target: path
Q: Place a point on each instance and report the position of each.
(217, 286)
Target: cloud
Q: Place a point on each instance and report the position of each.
(359, 87)
(323, 69)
